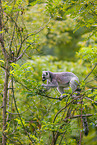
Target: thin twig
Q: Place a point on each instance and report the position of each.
(16, 113)
(15, 25)
(8, 101)
(23, 52)
(13, 140)
(90, 72)
(65, 107)
(29, 35)
(77, 116)
(48, 96)
(19, 114)
(2, 67)
(4, 50)
(39, 93)
(23, 85)
(81, 126)
(11, 40)
(91, 80)
(91, 100)
(21, 120)
(61, 139)
(1, 107)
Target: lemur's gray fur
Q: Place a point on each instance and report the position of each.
(60, 80)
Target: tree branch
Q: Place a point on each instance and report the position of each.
(28, 35)
(91, 80)
(19, 114)
(11, 40)
(16, 113)
(23, 52)
(39, 93)
(66, 107)
(13, 140)
(90, 72)
(91, 100)
(16, 25)
(1, 34)
(2, 67)
(77, 116)
(81, 126)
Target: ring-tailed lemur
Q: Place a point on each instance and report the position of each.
(62, 80)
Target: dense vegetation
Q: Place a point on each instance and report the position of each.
(54, 35)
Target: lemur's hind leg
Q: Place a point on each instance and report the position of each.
(73, 84)
(61, 90)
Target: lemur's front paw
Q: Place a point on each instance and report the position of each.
(43, 85)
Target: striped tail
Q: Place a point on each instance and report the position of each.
(85, 125)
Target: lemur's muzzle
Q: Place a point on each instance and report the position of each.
(43, 79)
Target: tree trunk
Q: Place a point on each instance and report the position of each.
(5, 102)
(6, 76)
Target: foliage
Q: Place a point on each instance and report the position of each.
(38, 111)
(89, 54)
(30, 115)
(83, 11)
(65, 32)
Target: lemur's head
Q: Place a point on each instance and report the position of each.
(45, 75)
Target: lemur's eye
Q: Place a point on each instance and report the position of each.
(43, 75)
(46, 73)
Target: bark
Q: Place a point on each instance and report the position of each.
(5, 102)
(1, 33)
(6, 77)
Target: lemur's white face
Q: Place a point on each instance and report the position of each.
(45, 75)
